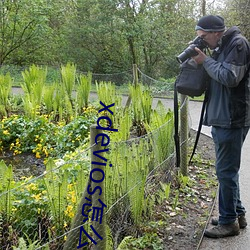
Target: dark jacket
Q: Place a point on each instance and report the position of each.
(229, 90)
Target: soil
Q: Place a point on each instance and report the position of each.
(24, 164)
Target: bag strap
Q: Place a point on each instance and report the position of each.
(199, 127)
(176, 126)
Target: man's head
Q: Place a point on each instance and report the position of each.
(211, 29)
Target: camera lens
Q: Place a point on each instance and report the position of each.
(190, 51)
(187, 53)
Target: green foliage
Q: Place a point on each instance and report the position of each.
(56, 187)
(34, 81)
(122, 122)
(141, 106)
(5, 90)
(30, 206)
(68, 74)
(48, 98)
(23, 25)
(43, 137)
(6, 184)
(52, 197)
(106, 92)
(22, 245)
(165, 190)
(128, 175)
(83, 91)
(47, 203)
(103, 36)
(184, 181)
(147, 241)
(176, 199)
(161, 126)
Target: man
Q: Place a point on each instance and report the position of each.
(228, 112)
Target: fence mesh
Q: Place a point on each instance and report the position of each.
(39, 213)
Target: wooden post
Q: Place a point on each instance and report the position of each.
(135, 74)
(184, 135)
(135, 82)
(98, 175)
(73, 237)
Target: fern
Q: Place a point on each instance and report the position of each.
(68, 74)
(33, 85)
(162, 126)
(56, 185)
(6, 184)
(124, 244)
(107, 94)
(83, 90)
(49, 97)
(5, 90)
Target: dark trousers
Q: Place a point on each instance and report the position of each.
(228, 145)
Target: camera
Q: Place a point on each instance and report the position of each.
(190, 51)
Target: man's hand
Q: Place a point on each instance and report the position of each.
(200, 58)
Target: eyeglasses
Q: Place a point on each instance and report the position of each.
(203, 36)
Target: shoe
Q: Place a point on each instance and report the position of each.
(241, 219)
(221, 231)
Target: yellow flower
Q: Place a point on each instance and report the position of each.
(73, 199)
(38, 155)
(37, 196)
(14, 209)
(31, 187)
(12, 145)
(17, 152)
(69, 211)
(45, 151)
(6, 132)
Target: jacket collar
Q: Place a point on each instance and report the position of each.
(231, 32)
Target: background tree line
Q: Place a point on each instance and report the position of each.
(107, 36)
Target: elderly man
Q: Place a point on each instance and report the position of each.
(228, 112)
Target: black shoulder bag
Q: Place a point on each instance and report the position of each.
(191, 81)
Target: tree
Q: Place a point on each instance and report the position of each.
(20, 22)
(237, 13)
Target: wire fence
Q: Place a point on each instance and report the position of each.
(160, 87)
(48, 211)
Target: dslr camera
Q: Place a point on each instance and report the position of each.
(190, 51)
